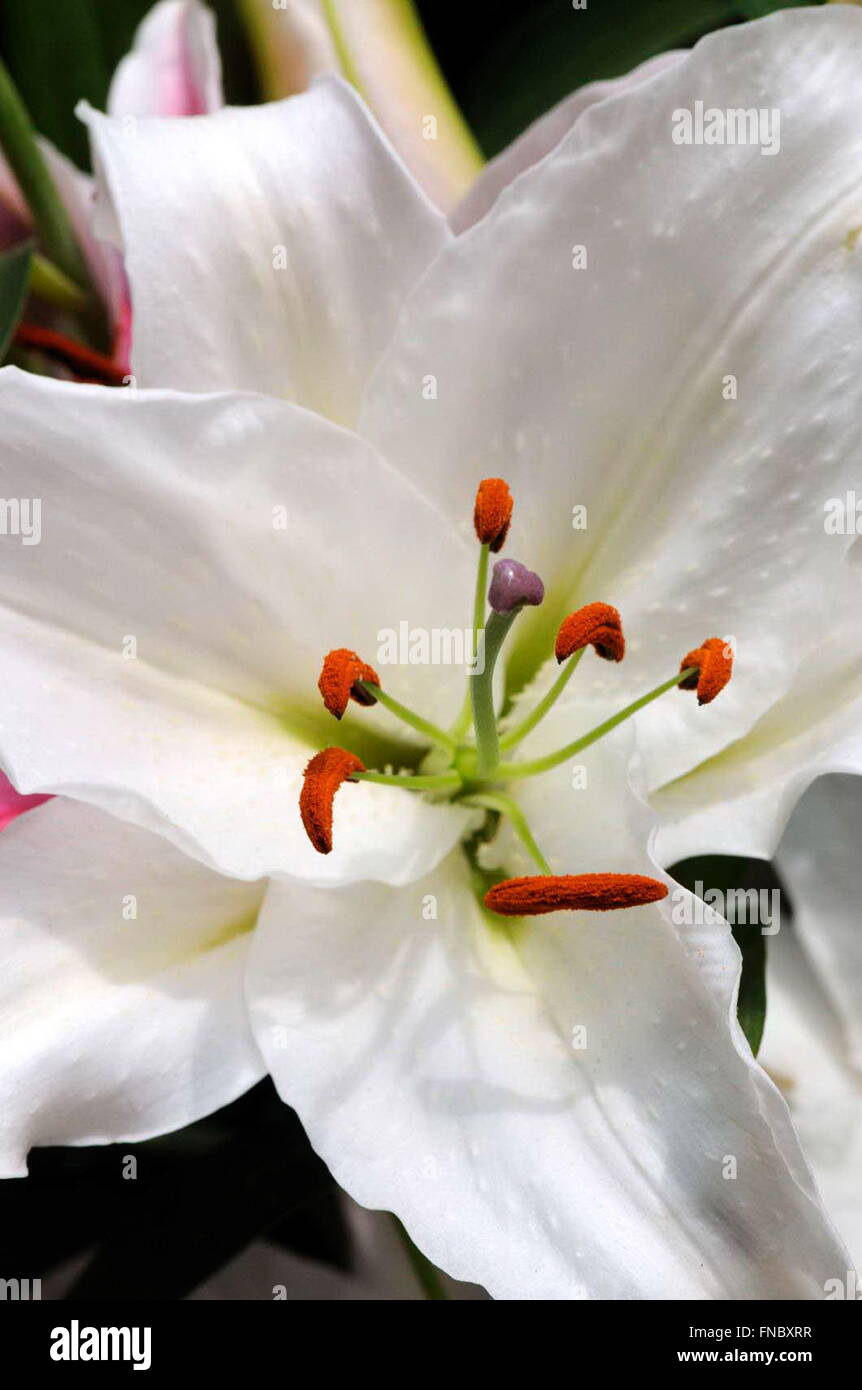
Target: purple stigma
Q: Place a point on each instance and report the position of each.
(512, 585)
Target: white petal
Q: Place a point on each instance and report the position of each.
(268, 247)
(114, 1026)
(174, 67)
(803, 1049)
(820, 860)
(544, 135)
(605, 384)
(435, 1064)
(162, 641)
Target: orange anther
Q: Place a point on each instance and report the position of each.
(596, 624)
(539, 893)
(714, 662)
(322, 777)
(492, 512)
(342, 669)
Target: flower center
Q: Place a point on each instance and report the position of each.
(469, 763)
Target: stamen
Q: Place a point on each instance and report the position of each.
(322, 777)
(544, 764)
(339, 681)
(714, 662)
(513, 585)
(409, 716)
(507, 806)
(596, 625)
(492, 512)
(420, 782)
(537, 894)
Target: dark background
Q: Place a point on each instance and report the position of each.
(506, 60)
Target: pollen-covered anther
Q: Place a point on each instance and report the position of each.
(539, 893)
(322, 778)
(492, 512)
(714, 662)
(596, 625)
(338, 683)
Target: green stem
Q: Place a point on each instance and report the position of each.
(433, 781)
(498, 801)
(18, 141)
(427, 1275)
(482, 694)
(462, 723)
(547, 701)
(422, 726)
(530, 769)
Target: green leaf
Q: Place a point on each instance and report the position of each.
(54, 51)
(555, 49)
(14, 278)
(50, 216)
(728, 873)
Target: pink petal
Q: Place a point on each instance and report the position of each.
(174, 67)
(13, 804)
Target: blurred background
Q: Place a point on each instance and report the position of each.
(238, 1205)
(506, 61)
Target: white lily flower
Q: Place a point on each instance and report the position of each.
(568, 1109)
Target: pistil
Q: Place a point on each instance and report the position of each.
(512, 587)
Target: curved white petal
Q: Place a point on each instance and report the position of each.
(820, 860)
(550, 1111)
(174, 68)
(122, 1013)
(163, 638)
(269, 248)
(607, 381)
(543, 136)
(804, 1050)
